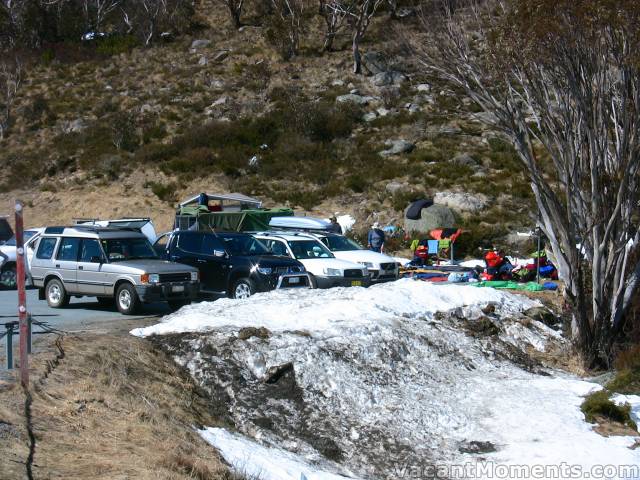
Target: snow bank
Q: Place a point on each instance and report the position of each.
(326, 311)
(252, 460)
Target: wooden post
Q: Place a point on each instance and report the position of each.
(22, 297)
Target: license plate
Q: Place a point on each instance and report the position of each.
(177, 288)
(294, 279)
(356, 283)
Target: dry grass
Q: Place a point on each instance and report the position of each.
(113, 408)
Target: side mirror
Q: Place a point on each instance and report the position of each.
(219, 253)
(96, 259)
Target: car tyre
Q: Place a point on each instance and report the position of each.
(178, 304)
(243, 288)
(9, 277)
(127, 299)
(56, 294)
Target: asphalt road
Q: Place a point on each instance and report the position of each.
(82, 314)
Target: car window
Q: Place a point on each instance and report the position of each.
(210, 243)
(190, 242)
(306, 249)
(278, 248)
(340, 244)
(161, 243)
(46, 248)
(244, 245)
(130, 248)
(69, 249)
(90, 248)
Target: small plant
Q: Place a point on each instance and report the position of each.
(166, 193)
(598, 404)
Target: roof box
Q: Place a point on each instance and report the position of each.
(298, 223)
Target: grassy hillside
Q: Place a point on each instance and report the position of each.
(126, 130)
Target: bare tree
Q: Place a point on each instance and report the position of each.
(562, 82)
(360, 15)
(235, 10)
(334, 13)
(96, 12)
(10, 79)
(286, 25)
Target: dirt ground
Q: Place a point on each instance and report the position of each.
(106, 406)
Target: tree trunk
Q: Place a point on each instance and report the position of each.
(328, 42)
(235, 17)
(357, 58)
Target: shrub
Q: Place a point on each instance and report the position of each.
(166, 193)
(598, 404)
(116, 44)
(357, 183)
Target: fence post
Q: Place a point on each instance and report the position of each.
(22, 296)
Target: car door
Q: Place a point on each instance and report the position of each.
(188, 248)
(43, 258)
(214, 264)
(90, 278)
(67, 262)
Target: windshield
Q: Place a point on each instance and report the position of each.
(27, 235)
(341, 244)
(244, 245)
(306, 249)
(119, 249)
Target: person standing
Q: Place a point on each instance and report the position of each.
(334, 226)
(375, 238)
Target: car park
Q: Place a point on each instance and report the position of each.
(110, 264)
(324, 268)
(382, 268)
(232, 264)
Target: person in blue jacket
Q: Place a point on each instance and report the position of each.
(375, 238)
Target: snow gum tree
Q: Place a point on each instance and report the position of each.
(561, 81)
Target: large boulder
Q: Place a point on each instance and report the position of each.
(353, 98)
(374, 62)
(435, 216)
(384, 79)
(462, 202)
(397, 147)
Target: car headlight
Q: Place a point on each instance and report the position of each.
(195, 276)
(333, 272)
(150, 278)
(265, 270)
(367, 264)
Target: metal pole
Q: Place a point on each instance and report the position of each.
(22, 297)
(9, 327)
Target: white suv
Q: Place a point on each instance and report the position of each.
(382, 268)
(325, 269)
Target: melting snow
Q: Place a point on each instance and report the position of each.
(385, 385)
(329, 311)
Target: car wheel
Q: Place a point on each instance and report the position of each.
(178, 304)
(9, 277)
(56, 294)
(127, 299)
(243, 288)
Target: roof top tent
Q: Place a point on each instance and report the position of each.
(233, 212)
(6, 232)
(299, 223)
(144, 225)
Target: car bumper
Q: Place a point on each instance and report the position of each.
(287, 280)
(378, 276)
(329, 282)
(166, 292)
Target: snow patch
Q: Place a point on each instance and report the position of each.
(326, 312)
(253, 460)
